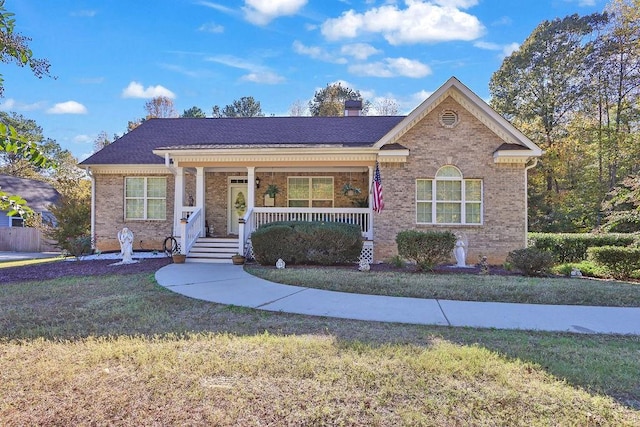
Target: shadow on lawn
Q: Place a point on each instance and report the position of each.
(76, 306)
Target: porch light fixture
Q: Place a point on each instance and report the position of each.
(257, 182)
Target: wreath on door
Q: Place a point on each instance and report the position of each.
(240, 204)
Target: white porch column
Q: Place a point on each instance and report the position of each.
(178, 200)
(200, 202)
(251, 187)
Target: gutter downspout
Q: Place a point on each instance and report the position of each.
(533, 163)
(93, 208)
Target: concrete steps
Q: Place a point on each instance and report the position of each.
(215, 250)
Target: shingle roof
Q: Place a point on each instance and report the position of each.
(38, 194)
(136, 146)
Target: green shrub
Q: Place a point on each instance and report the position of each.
(301, 242)
(427, 249)
(78, 246)
(587, 268)
(621, 262)
(531, 261)
(572, 247)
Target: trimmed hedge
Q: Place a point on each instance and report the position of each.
(567, 247)
(427, 249)
(531, 261)
(302, 242)
(620, 261)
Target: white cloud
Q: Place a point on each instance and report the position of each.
(265, 77)
(257, 73)
(69, 107)
(136, 90)
(317, 52)
(82, 139)
(392, 67)
(211, 28)
(11, 104)
(504, 49)
(461, 4)
(84, 13)
(419, 22)
(216, 6)
(261, 12)
(359, 51)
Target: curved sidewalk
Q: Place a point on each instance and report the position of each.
(230, 284)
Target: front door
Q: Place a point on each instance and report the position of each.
(237, 206)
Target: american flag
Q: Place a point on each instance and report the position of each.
(378, 202)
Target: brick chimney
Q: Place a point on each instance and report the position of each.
(352, 107)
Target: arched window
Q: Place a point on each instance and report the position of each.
(449, 198)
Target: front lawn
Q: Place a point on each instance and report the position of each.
(121, 350)
(464, 287)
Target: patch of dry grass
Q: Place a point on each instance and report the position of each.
(120, 350)
(218, 379)
(463, 287)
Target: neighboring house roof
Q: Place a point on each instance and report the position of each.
(136, 146)
(38, 194)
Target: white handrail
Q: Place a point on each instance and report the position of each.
(245, 228)
(190, 230)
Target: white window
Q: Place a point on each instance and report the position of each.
(310, 192)
(449, 199)
(145, 198)
(16, 221)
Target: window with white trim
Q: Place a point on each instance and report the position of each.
(145, 198)
(449, 198)
(310, 192)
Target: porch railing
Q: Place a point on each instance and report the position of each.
(260, 215)
(191, 227)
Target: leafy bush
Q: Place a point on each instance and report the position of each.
(622, 262)
(567, 247)
(301, 242)
(587, 268)
(78, 246)
(531, 261)
(427, 249)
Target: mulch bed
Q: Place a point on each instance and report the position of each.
(57, 269)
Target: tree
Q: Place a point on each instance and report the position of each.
(386, 107)
(160, 107)
(297, 109)
(73, 215)
(329, 101)
(243, 107)
(101, 141)
(622, 209)
(194, 113)
(540, 87)
(18, 162)
(14, 48)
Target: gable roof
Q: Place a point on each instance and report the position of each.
(516, 144)
(136, 147)
(38, 194)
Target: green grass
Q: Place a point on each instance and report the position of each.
(464, 287)
(122, 350)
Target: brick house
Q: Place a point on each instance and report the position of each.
(452, 164)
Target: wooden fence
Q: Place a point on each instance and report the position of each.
(24, 239)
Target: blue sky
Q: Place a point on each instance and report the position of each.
(110, 57)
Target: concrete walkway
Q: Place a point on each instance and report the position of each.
(229, 284)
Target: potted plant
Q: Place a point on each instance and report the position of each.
(178, 258)
(270, 195)
(238, 259)
(349, 190)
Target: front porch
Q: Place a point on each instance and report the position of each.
(217, 209)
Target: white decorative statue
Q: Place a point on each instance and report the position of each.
(460, 252)
(125, 237)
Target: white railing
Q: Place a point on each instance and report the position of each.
(358, 216)
(191, 227)
(245, 228)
